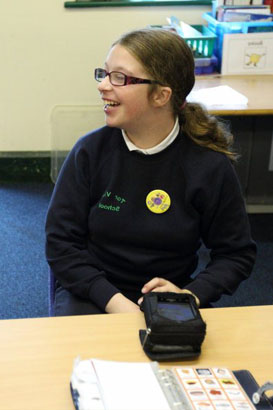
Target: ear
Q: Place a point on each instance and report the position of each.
(161, 96)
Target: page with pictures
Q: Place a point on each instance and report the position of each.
(111, 385)
(212, 388)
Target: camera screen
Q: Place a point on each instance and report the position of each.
(175, 311)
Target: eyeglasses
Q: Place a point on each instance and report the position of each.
(120, 79)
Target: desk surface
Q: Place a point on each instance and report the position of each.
(36, 355)
(258, 89)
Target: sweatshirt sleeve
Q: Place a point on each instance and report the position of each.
(225, 231)
(67, 231)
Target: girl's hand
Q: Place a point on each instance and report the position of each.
(164, 285)
(120, 304)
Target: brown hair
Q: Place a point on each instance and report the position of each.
(168, 60)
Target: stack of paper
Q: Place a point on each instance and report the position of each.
(218, 96)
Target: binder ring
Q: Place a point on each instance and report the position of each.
(256, 397)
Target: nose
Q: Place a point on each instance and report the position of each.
(105, 84)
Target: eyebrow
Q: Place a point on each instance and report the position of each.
(121, 69)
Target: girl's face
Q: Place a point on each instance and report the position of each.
(127, 107)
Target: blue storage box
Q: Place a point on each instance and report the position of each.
(205, 65)
(221, 28)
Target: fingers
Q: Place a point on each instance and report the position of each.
(140, 300)
(164, 288)
(153, 284)
(161, 289)
(195, 297)
(160, 285)
(163, 285)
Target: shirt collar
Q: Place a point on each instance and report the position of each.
(157, 148)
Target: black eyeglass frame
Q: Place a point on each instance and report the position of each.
(128, 80)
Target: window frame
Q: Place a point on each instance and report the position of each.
(133, 3)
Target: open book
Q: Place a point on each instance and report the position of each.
(108, 385)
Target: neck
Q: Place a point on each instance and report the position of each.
(150, 135)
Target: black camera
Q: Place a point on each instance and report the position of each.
(175, 328)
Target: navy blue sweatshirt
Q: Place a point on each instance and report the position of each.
(102, 238)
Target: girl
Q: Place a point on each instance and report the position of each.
(135, 198)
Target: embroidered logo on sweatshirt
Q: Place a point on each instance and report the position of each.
(117, 202)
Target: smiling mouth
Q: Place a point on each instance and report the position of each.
(109, 103)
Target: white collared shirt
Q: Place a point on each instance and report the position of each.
(157, 148)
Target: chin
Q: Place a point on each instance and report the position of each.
(112, 123)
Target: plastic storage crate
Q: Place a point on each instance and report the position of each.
(202, 46)
(205, 65)
(220, 28)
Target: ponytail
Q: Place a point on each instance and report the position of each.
(168, 60)
(206, 130)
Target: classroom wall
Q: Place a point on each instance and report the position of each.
(48, 54)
